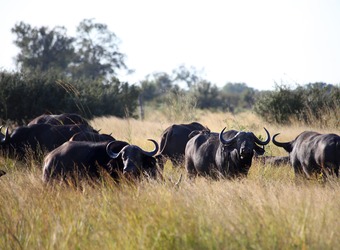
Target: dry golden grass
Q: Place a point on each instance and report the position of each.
(137, 131)
(268, 210)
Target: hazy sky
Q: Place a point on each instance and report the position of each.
(255, 42)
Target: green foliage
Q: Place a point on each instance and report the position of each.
(235, 88)
(97, 50)
(180, 107)
(156, 86)
(237, 97)
(279, 105)
(206, 95)
(43, 49)
(307, 103)
(188, 76)
(92, 54)
(233, 97)
(24, 96)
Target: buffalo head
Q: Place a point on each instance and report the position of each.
(136, 161)
(240, 148)
(245, 143)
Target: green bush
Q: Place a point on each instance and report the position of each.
(25, 96)
(313, 103)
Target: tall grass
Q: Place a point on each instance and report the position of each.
(325, 117)
(268, 210)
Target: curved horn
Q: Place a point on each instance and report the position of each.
(227, 142)
(258, 141)
(286, 145)
(153, 152)
(110, 153)
(279, 144)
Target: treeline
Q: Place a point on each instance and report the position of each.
(24, 96)
(315, 104)
(58, 73)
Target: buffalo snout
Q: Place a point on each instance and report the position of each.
(130, 168)
(246, 152)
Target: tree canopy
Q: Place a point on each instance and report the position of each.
(93, 53)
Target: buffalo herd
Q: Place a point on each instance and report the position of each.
(76, 150)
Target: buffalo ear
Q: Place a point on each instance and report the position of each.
(148, 162)
(259, 150)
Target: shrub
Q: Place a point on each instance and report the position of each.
(25, 96)
(316, 103)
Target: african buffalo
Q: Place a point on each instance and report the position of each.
(38, 137)
(313, 153)
(211, 154)
(136, 161)
(85, 159)
(173, 142)
(91, 136)
(60, 119)
(82, 159)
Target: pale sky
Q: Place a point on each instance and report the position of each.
(255, 42)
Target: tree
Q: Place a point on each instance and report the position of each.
(156, 86)
(43, 49)
(235, 88)
(206, 95)
(189, 76)
(97, 50)
(92, 54)
(280, 105)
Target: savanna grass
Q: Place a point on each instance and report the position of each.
(268, 210)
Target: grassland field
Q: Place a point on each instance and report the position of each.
(269, 209)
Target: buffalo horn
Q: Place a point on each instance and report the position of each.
(258, 141)
(110, 153)
(153, 152)
(280, 144)
(227, 142)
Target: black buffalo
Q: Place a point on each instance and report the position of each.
(173, 142)
(136, 161)
(91, 136)
(313, 153)
(211, 154)
(86, 159)
(83, 159)
(60, 119)
(38, 138)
